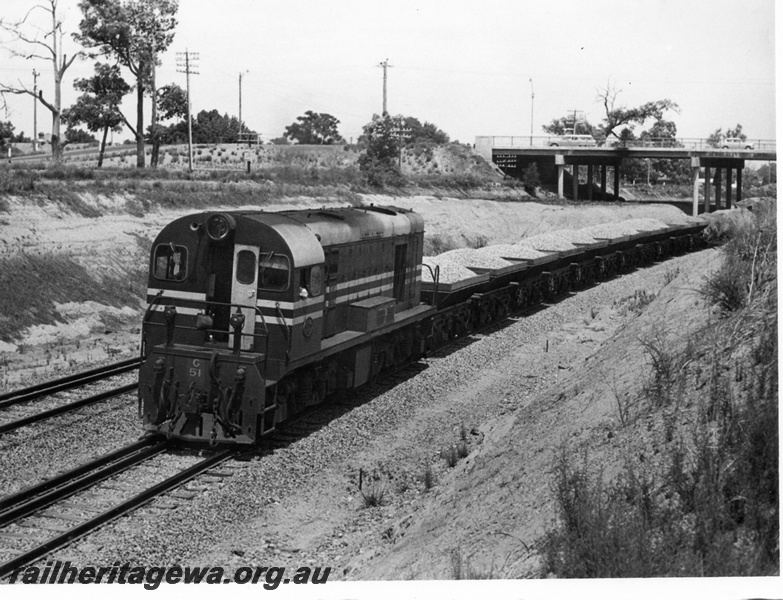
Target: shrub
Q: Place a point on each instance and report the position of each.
(750, 259)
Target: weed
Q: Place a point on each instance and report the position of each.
(462, 450)
(429, 477)
(450, 456)
(671, 275)
(373, 493)
(480, 241)
(665, 364)
(438, 244)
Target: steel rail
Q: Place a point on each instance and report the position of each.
(109, 515)
(31, 499)
(66, 408)
(67, 382)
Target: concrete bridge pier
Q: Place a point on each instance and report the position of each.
(719, 164)
(563, 160)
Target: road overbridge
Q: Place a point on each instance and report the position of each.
(718, 163)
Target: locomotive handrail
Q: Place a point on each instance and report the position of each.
(435, 279)
(264, 334)
(150, 308)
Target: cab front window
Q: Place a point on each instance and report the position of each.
(273, 272)
(170, 262)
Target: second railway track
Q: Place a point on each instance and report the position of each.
(19, 407)
(73, 504)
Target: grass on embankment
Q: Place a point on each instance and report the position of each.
(31, 284)
(712, 508)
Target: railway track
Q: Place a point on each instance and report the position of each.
(84, 499)
(47, 388)
(17, 401)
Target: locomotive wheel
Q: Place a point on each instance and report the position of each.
(319, 392)
(304, 392)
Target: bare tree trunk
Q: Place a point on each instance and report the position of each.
(140, 119)
(154, 118)
(103, 147)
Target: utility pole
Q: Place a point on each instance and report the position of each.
(385, 65)
(184, 60)
(240, 100)
(35, 110)
(532, 98)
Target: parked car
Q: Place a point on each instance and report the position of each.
(736, 143)
(573, 140)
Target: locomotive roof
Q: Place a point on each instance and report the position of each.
(307, 232)
(342, 225)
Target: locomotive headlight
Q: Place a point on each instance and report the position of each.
(220, 226)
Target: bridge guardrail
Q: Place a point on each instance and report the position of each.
(539, 141)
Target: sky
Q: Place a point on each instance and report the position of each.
(469, 67)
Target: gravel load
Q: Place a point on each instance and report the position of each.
(520, 251)
(575, 236)
(645, 224)
(610, 230)
(548, 241)
(449, 271)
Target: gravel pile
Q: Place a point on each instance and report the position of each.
(610, 230)
(449, 271)
(521, 251)
(454, 264)
(645, 224)
(468, 257)
(548, 241)
(575, 236)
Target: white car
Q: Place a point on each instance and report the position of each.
(736, 143)
(573, 140)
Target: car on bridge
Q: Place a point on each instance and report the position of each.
(736, 144)
(573, 140)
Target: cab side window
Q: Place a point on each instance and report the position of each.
(170, 262)
(311, 280)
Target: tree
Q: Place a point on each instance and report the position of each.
(428, 132)
(531, 179)
(717, 136)
(212, 128)
(99, 106)
(379, 161)
(314, 128)
(77, 136)
(171, 102)
(617, 117)
(6, 132)
(135, 32)
(569, 124)
(41, 44)
(662, 130)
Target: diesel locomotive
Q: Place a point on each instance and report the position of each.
(253, 316)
